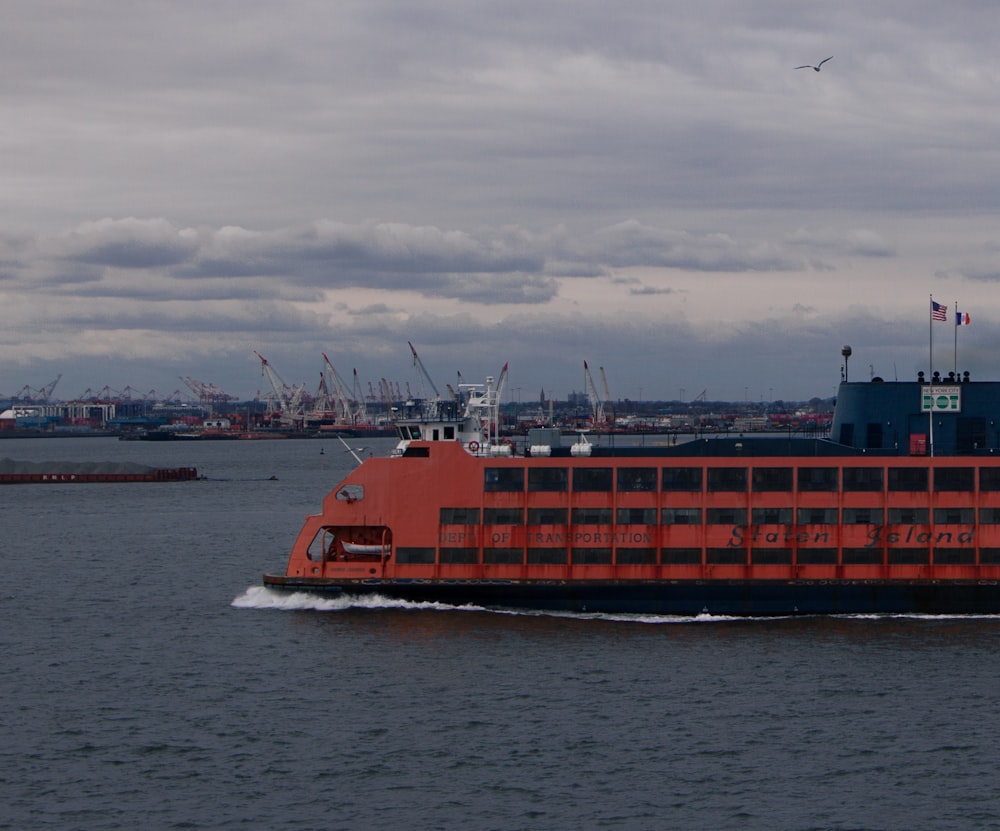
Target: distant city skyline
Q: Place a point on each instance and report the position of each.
(652, 188)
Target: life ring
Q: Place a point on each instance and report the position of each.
(473, 446)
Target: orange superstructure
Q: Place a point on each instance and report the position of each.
(729, 526)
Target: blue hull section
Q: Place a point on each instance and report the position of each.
(688, 598)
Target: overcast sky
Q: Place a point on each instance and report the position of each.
(649, 186)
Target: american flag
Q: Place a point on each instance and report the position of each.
(938, 311)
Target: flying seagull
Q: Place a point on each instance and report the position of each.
(810, 66)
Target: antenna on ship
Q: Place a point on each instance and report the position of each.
(846, 352)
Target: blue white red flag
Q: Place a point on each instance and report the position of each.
(938, 311)
(962, 319)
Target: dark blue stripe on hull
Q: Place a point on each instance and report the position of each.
(759, 598)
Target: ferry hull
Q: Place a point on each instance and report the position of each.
(743, 598)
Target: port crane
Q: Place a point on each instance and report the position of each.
(596, 405)
(288, 399)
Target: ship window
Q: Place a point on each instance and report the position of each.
(636, 516)
(415, 556)
(955, 556)
(873, 435)
(351, 493)
(591, 556)
(954, 516)
(636, 556)
(771, 557)
(681, 516)
(592, 478)
(862, 556)
(989, 556)
(769, 479)
(862, 478)
(503, 556)
(908, 478)
(591, 516)
(989, 516)
(954, 479)
(909, 556)
(681, 556)
(322, 546)
(637, 479)
(547, 556)
(726, 516)
(417, 452)
(818, 479)
(503, 516)
(726, 556)
(546, 516)
(907, 516)
(817, 516)
(682, 478)
(548, 479)
(727, 479)
(817, 556)
(989, 478)
(460, 516)
(449, 432)
(459, 556)
(503, 479)
(862, 516)
(772, 516)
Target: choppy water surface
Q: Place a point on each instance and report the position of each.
(149, 682)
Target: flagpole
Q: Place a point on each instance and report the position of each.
(930, 338)
(956, 338)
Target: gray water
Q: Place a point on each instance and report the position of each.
(150, 683)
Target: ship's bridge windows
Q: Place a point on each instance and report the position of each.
(908, 479)
(592, 478)
(591, 516)
(726, 516)
(638, 479)
(989, 516)
(503, 516)
(955, 479)
(681, 516)
(497, 479)
(771, 516)
(682, 478)
(548, 479)
(731, 479)
(989, 478)
(547, 516)
(863, 516)
(818, 479)
(908, 516)
(770, 479)
(954, 516)
(817, 516)
(862, 478)
(460, 516)
(636, 516)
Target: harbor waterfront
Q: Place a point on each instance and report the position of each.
(150, 681)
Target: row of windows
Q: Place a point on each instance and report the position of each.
(693, 556)
(719, 516)
(737, 479)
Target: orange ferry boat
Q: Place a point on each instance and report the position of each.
(897, 512)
